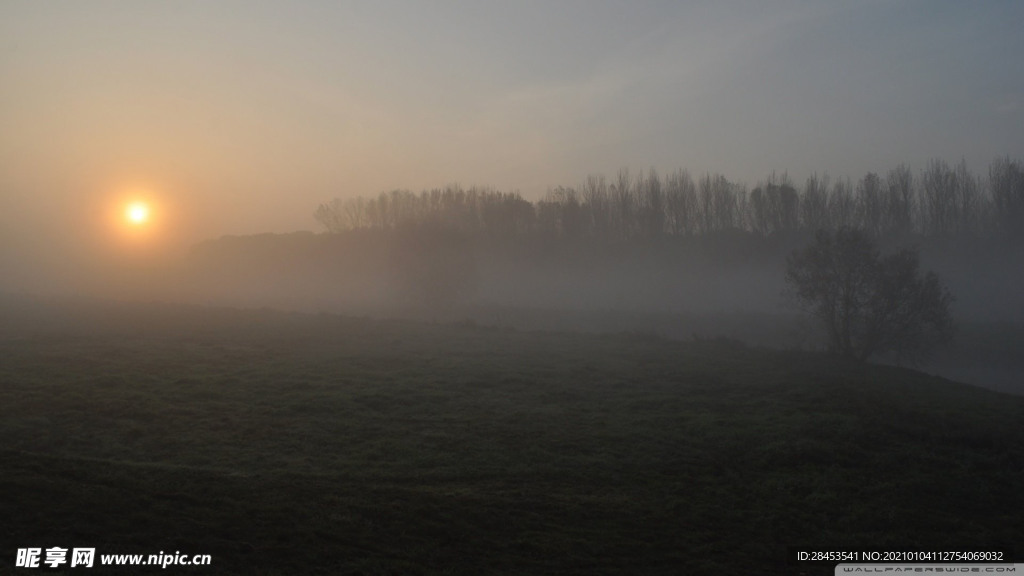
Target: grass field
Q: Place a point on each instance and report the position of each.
(300, 444)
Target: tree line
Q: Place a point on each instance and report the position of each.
(942, 200)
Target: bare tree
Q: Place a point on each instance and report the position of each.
(945, 201)
(939, 206)
(814, 206)
(706, 203)
(899, 206)
(329, 215)
(842, 206)
(651, 200)
(784, 202)
(759, 214)
(725, 204)
(869, 304)
(624, 205)
(1006, 179)
(597, 203)
(570, 219)
(681, 201)
(871, 204)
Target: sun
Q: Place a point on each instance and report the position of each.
(137, 213)
(135, 220)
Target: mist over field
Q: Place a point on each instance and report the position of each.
(522, 288)
(670, 256)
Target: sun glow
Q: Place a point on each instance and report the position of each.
(137, 213)
(137, 223)
(136, 220)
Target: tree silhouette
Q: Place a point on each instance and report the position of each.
(868, 303)
(939, 202)
(1007, 181)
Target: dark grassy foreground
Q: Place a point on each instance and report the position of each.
(290, 444)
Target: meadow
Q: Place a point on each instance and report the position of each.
(285, 443)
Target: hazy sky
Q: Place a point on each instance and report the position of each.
(240, 117)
